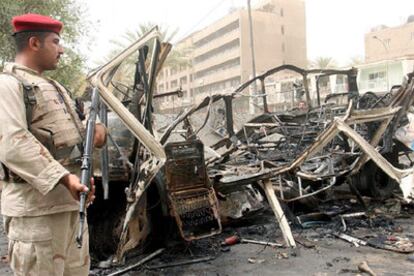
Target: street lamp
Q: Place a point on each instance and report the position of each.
(249, 10)
(387, 57)
(254, 86)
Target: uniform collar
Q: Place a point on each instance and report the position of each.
(12, 66)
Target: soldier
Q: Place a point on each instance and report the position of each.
(40, 144)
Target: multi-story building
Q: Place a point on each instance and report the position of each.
(221, 57)
(383, 75)
(387, 43)
(389, 56)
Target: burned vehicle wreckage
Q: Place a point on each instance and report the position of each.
(157, 180)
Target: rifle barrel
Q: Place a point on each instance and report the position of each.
(86, 167)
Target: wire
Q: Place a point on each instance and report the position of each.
(219, 3)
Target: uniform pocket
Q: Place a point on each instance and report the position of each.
(45, 137)
(22, 258)
(30, 229)
(31, 258)
(78, 258)
(47, 100)
(10, 249)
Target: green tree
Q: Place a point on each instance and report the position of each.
(323, 63)
(355, 60)
(132, 35)
(176, 58)
(71, 13)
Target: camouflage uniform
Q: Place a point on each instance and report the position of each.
(41, 216)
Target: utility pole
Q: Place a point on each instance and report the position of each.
(386, 64)
(252, 48)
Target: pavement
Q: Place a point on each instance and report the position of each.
(4, 265)
(324, 254)
(327, 256)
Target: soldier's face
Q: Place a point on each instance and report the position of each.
(50, 51)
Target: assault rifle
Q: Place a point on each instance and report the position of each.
(86, 167)
(103, 115)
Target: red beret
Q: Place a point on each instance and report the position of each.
(35, 23)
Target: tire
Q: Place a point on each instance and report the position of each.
(374, 182)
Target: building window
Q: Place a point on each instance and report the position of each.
(235, 82)
(340, 79)
(281, 12)
(283, 47)
(376, 76)
(324, 81)
(387, 42)
(412, 36)
(219, 51)
(286, 88)
(173, 84)
(217, 34)
(218, 68)
(282, 29)
(183, 80)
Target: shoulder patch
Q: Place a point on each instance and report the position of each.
(8, 80)
(27, 91)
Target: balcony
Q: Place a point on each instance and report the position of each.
(226, 38)
(218, 76)
(216, 60)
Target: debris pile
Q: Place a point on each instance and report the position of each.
(179, 186)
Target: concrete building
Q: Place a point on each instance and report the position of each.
(387, 43)
(389, 56)
(221, 54)
(381, 76)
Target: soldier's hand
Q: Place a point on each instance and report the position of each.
(91, 194)
(72, 183)
(99, 137)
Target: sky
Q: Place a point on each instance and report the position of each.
(335, 28)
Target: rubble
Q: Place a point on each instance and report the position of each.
(363, 267)
(193, 261)
(189, 189)
(141, 262)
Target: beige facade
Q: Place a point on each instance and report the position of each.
(221, 55)
(384, 43)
